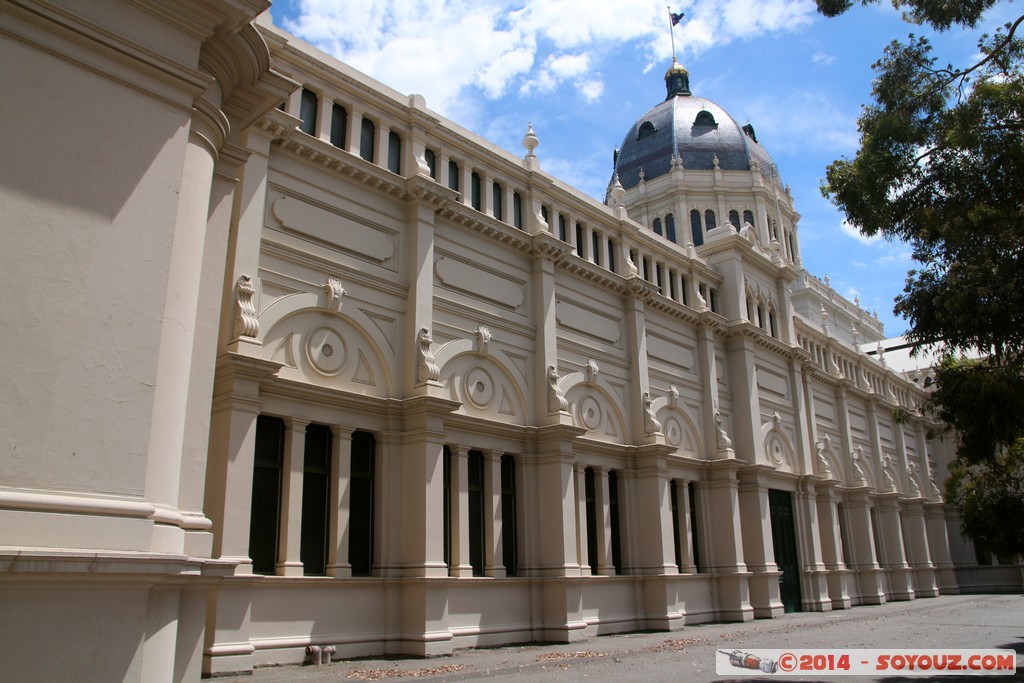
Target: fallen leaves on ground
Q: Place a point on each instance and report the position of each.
(381, 674)
(551, 656)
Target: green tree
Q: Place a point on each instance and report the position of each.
(941, 166)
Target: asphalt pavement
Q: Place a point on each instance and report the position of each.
(947, 622)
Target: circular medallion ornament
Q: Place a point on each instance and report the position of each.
(776, 451)
(479, 387)
(673, 431)
(590, 413)
(325, 350)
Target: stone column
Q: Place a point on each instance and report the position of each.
(560, 617)
(686, 544)
(339, 504)
(354, 134)
(582, 549)
(724, 546)
(814, 583)
(830, 533)
(758, 551)
(925, 582)
(290, 524)
(938, 547)
(178, 333)
(460, 565)
(605, 565)
(746, 438)
(494, 562)
(862, 541)
(890, 527)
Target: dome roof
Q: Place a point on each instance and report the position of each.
(693, 128)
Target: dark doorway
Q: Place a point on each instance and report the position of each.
(780, 504)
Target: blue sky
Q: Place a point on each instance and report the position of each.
(583, 71)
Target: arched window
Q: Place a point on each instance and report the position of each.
(339, 125)
(698, 234)
(657, 226)
(709, 220)
(705, 118)
(431, 159)
(394, 152)
(496, 201)
(367, 139)
(474, 194)
(453, 175)
(734, 218)
(308, 105)
(748, 217)
(517, 210)
(647, 129)
(670, 227)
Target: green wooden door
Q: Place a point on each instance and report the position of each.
(780, 504)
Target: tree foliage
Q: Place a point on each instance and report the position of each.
(941, 166)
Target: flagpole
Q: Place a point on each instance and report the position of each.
(671, 32)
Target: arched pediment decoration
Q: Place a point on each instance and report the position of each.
(594, 405)
(778, 448)
(338, 347)
(483, 380)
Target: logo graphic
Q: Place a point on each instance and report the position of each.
(745, 660)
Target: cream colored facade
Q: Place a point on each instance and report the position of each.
(476, 428)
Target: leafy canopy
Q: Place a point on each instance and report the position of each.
(941, 166)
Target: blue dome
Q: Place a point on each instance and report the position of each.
(693, 128)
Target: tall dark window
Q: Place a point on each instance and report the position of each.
(367, 139)
(316, 489)
(453, 176)
(694, 526)
(339, 125)
(695, 229)
(517, 210)
(497, 195)
(308, 104)
(447, 504)
(476, 512)
(562, 233)
(670, 227)
(657, 226)
(474, 191)
(734, 218)
(748, 217)
(265, 514)
(509, 528)
(394, 152)
(580, 244)
(709, 220)
(595, 244)
(844, 534)
(673, 487)
(589, 489)
(431, 159)
(613, 518)
(611, 255)
(361, 496)
(645, 269)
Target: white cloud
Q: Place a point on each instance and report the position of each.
(822, 58)
(851, 231)
(442, 49)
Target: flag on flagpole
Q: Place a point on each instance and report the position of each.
(676, 17)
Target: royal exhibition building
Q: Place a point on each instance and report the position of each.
(341, 372)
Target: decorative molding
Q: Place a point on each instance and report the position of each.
(335, 292)
(557, 402)
(426, 369)
(246, 320)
